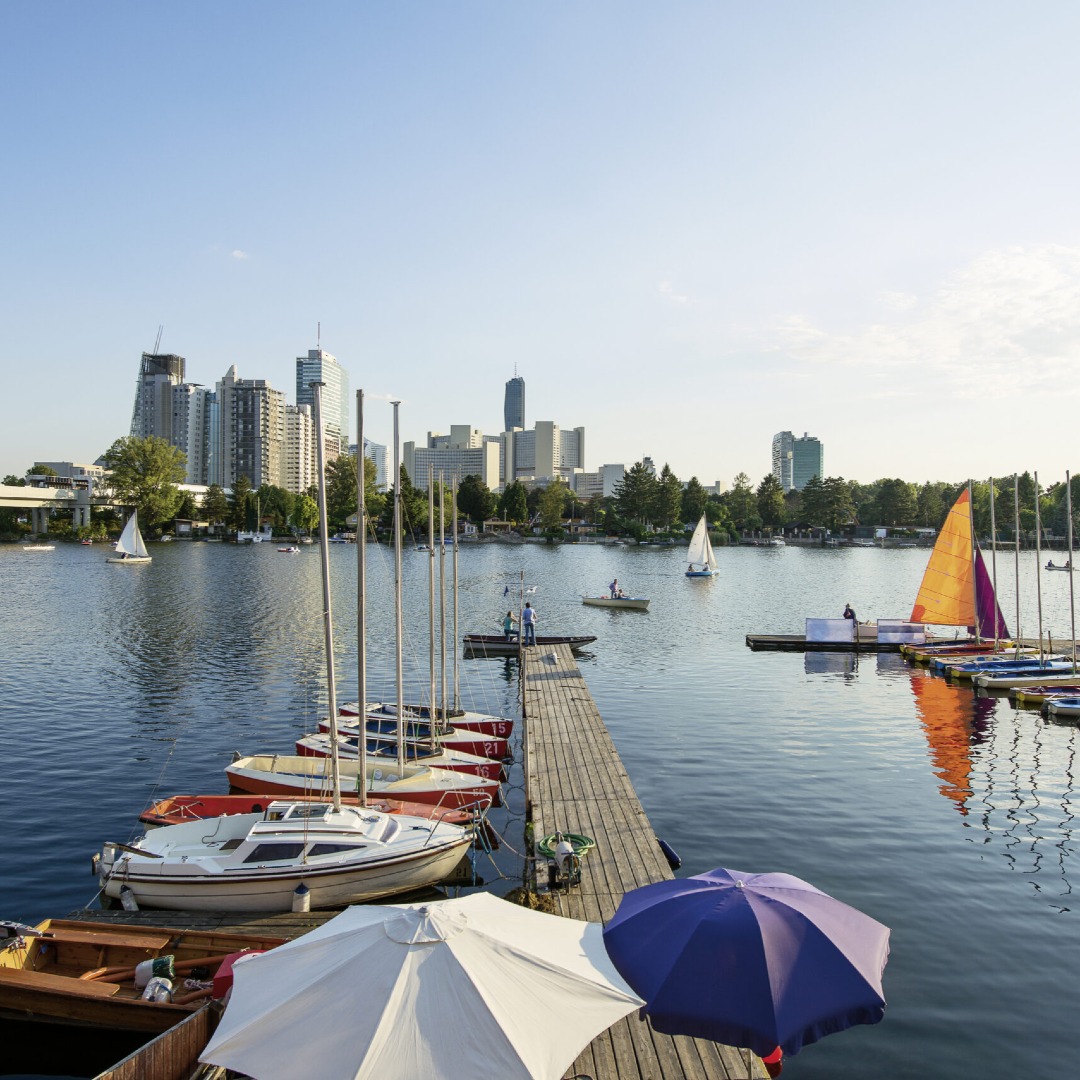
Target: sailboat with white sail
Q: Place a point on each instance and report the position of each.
(130, 548)
(700, 558)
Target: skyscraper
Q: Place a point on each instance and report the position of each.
(795, 462)
(514, 404)
(320, 366)
(250, 432)
(152, 415)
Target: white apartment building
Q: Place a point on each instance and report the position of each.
(301, 451)
(542, 454)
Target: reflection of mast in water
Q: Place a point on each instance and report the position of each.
(953, 719)
(1027, 761)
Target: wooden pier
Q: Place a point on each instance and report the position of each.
(575, 782)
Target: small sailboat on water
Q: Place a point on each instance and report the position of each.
(700, 558)
(130, 547)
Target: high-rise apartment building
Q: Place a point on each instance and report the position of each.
(543, 453)
(191, 429)
(514, 404)
(464, 452)
(152, 414)
(301, 450)
(795, 462)
(320, 366)
(250, 432)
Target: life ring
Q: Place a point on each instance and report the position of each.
(580, 844)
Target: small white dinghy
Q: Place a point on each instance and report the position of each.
(130, 547)
(634, 603)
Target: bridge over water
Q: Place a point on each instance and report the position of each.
(42, 502)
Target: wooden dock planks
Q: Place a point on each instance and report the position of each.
(575, 782)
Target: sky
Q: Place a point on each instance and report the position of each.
(687, 225)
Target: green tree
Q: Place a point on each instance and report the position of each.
(41, 470)
(305, 513)
(215, 505)
(931, 508)
(897, 503)
(741, 504)
(243, 506)
(513, 503)
(475, 499)
(667, 505)
(694, 498)
(771, 507)
(145, 473)
(552, 500)
(414, 506)
(188, 508)
(635, 494)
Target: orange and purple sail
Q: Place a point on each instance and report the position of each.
(956, 589)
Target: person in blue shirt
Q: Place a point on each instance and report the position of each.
(508, 626)
(528, 624)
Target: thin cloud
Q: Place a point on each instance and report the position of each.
(667, 291)
(1009, 319)
(238, 254)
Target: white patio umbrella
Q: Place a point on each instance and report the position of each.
(470, 987)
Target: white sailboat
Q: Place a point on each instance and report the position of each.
(130, 547)
(702, 562)
(259, 861)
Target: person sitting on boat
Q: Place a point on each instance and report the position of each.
(528, 623)
(849, 613)
(614, 587)
(1049, 564)
(508, 626)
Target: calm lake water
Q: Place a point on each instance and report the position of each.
(947, 817)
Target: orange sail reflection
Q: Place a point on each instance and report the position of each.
(952, 719)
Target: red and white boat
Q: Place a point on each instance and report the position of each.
(500, 726)
(177, 809)
(383, 730)
(416, 753)
(289, 774)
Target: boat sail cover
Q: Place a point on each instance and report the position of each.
(131, 541)
(956, 589)
(700, 555)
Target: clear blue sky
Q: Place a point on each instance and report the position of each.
(688, 224)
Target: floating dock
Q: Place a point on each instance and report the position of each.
(575, 782)
(798, 643)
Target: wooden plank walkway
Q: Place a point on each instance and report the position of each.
(575, 782)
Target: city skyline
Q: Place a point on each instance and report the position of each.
(687, 225)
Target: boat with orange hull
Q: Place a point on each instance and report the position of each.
(415, 753)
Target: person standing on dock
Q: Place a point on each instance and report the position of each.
(528, 624)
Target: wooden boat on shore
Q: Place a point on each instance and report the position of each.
(630, 603)
(497, 645)
(83, 973)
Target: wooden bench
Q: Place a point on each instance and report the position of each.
(132, 940)
(63, 984)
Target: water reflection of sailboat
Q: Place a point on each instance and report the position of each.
(952, 720)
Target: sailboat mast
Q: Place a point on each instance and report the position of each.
(328, 620)
(455, 638)
(1016, 537)
(974, 582)
(431, 604)
(361, 601)
(1068, 563)
(993, 560)
(1038, 565)
(442, 592)
(398, 635)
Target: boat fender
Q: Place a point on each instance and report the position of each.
(95, 864)
(301, 898)
(127, 899)
(158, 989)
(670, 854)
(160, 967)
